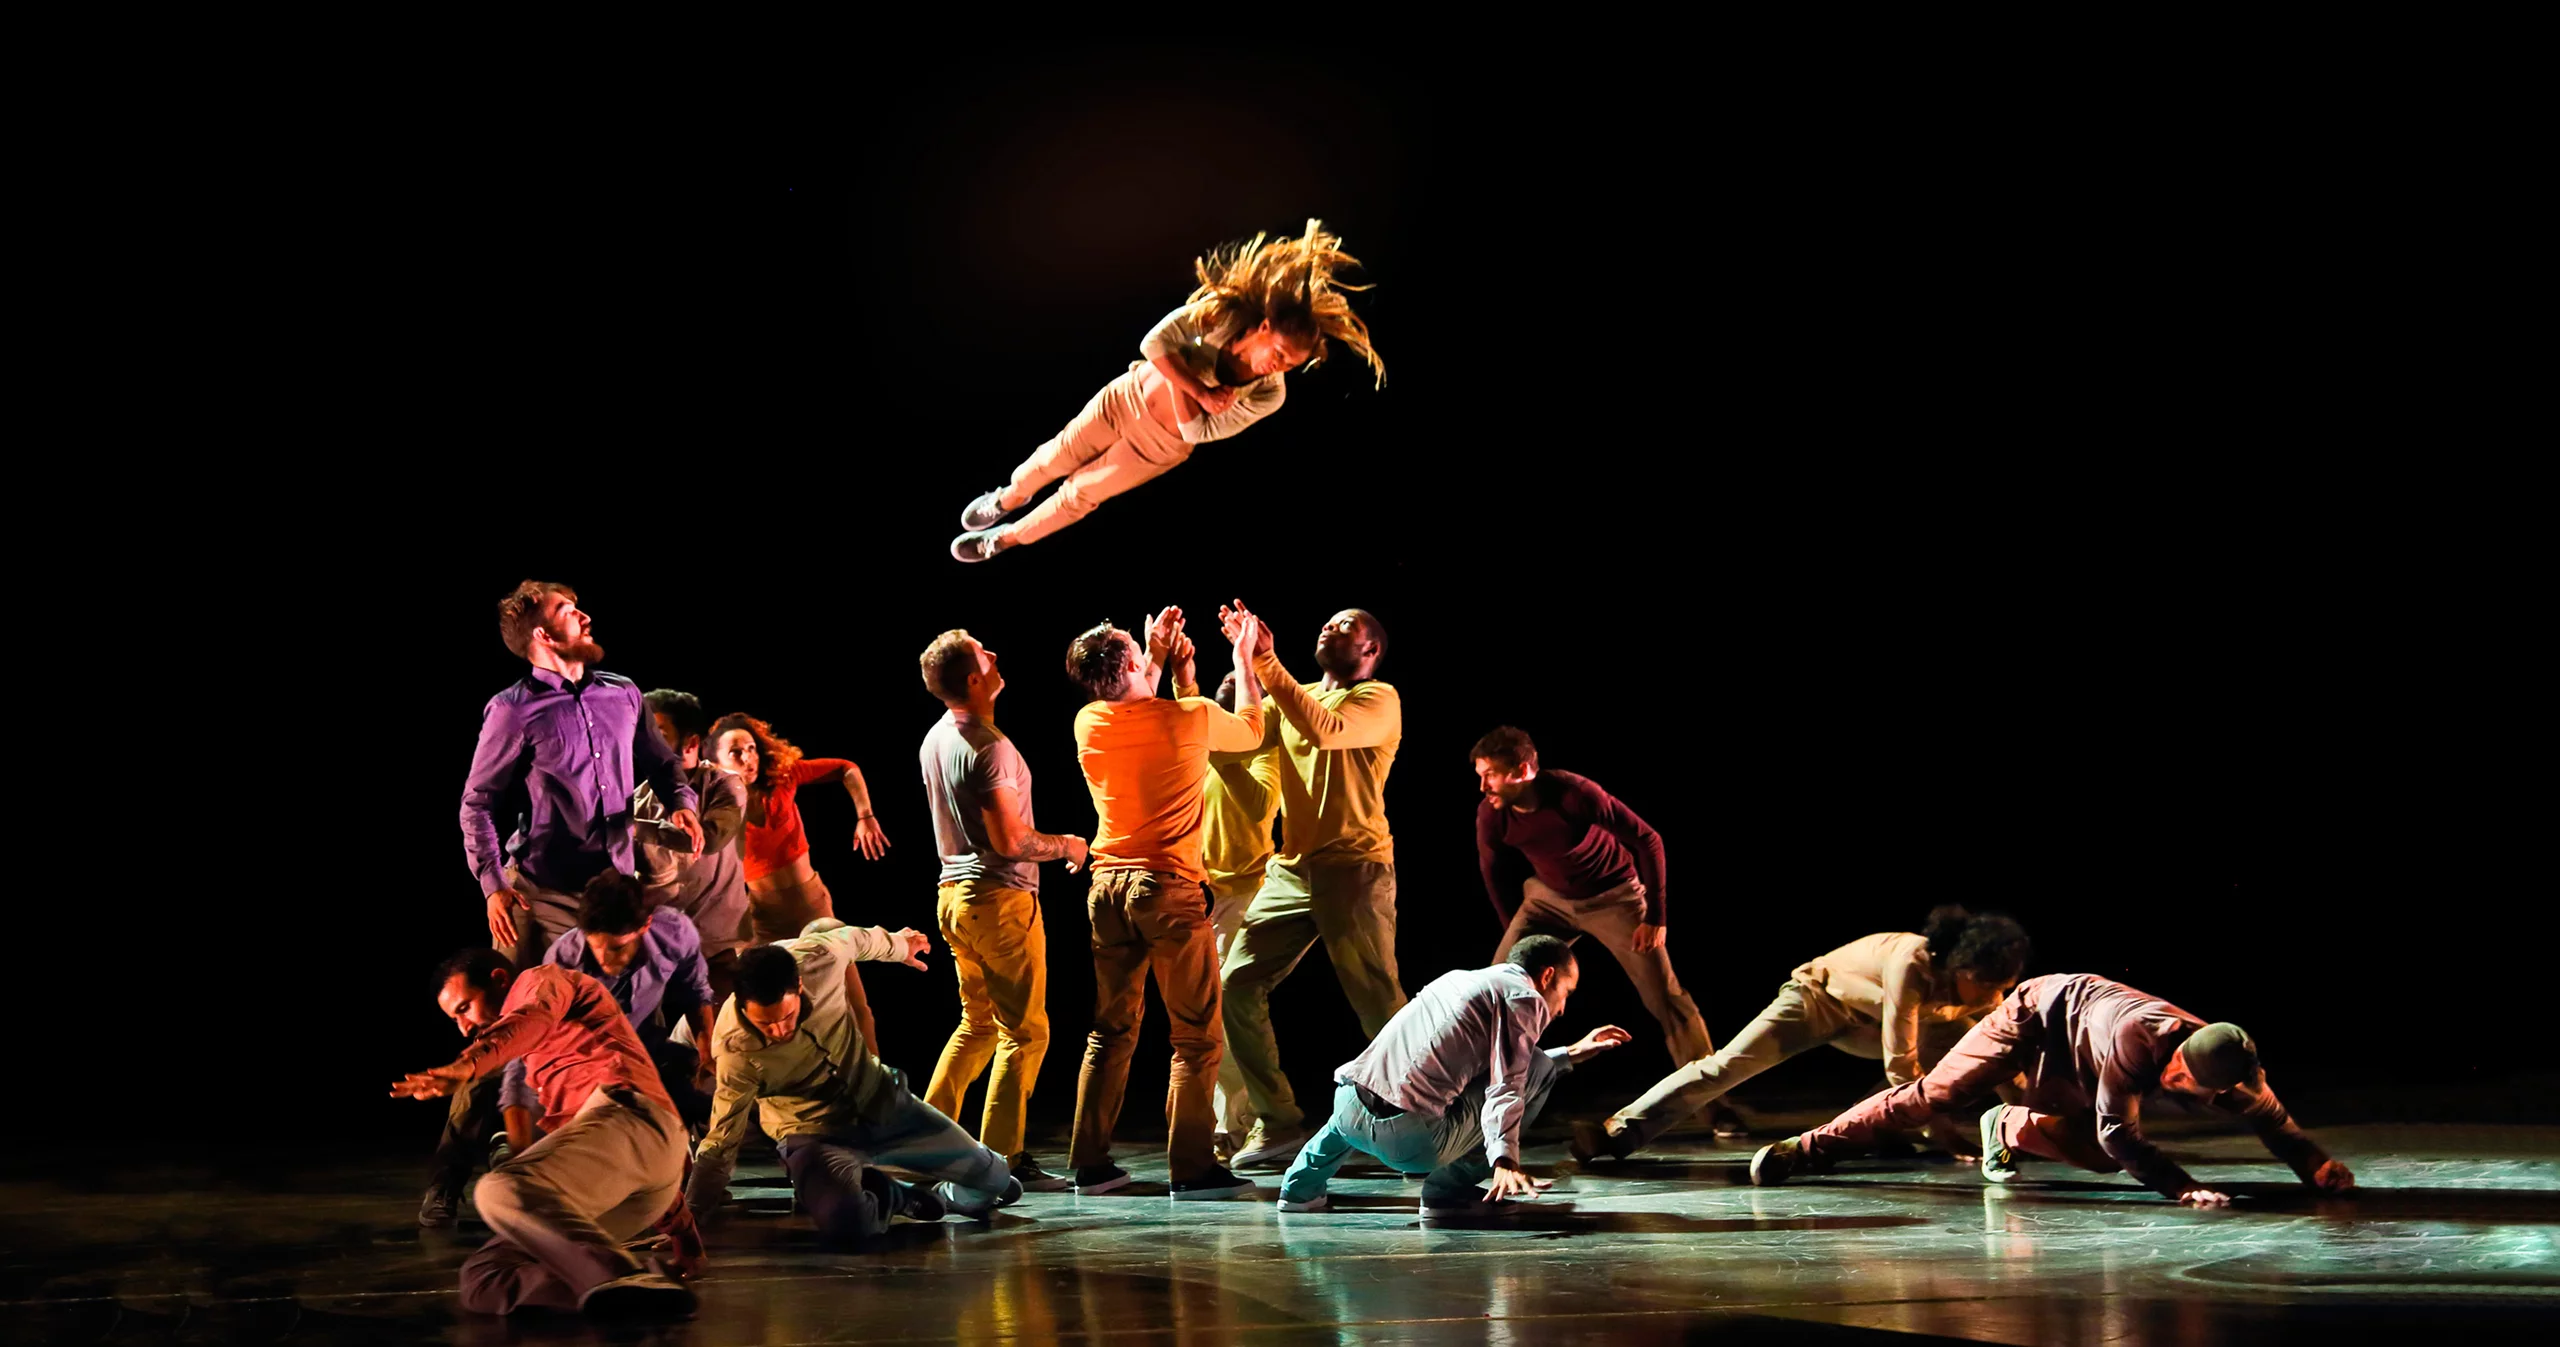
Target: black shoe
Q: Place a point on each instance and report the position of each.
(923, 1203)
(642, 1295)
(436, 1210)
(1593, 1141)
(1215, 1186)
(1774, 1162)
(1034, 1179)
(1094, 1179)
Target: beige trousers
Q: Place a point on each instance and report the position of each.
(1110, 447)
(562, 1210)
(1611, 918)
(1351, 907)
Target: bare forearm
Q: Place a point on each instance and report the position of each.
(860, 790)
(519, 1128)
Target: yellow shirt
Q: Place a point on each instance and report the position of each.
(1147, 765)
(1244, 794)
(1335, 749)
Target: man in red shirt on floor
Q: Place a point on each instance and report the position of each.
(613, 1160)
(2090, 1048)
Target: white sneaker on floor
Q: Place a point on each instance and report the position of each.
(1268, 1147)
(1316, 1203)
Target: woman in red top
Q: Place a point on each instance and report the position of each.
(784, 893)
(783, 890)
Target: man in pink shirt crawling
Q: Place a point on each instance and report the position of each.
(2091, 1048)
(611, 1164)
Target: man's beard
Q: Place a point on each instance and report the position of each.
(577, 650)
(1336, 661)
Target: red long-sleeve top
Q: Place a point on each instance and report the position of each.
(573, 1038)
(780, 839)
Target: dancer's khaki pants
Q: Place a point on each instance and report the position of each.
(1798, 1019)
(1001, 953)
(1110, 446)
(1148, 920)
(1611, 918)
(562, 1210)
(1351, 907)
(1227, 902)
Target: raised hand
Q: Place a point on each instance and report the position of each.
(1162, 630)
(1598, 1041)
(433, 1083)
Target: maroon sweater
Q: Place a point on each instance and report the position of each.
(1580, 841)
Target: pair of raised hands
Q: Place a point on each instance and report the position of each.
(1170, 648)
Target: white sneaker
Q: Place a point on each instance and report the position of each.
(1316, 1203)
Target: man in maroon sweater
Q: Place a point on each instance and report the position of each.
(1593, 868)
(611, 1162)
(2090, 1049)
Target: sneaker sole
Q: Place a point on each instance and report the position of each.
(1107, 1185)
(1215, 1194)
(1311, 1204)
(1773, 1180)
(1269, 1157)
(1048, 1185)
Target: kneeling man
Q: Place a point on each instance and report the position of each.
(1447, 1085)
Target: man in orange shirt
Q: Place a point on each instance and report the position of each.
(1146, 761)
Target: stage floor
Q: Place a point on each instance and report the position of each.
(2459, 1228)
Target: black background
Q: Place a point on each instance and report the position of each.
(1893, 510)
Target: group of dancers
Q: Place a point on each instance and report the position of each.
(667, 975)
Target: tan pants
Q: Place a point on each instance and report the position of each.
(1000, 950)
(1146, 920)
(562, 1210)
(1110, 446)
(1798, 1019)
(1352, 909)
(1227, 901)
(1611, 918)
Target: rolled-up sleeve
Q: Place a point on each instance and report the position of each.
(1515, 1041)
(717, 1157)
(498, 767)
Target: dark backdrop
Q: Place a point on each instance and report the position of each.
(1892, 513)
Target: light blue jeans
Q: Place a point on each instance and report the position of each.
(1450, 1146)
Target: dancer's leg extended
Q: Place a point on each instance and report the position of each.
(1797, 1019)
(1122, 438)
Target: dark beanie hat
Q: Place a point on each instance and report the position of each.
(2221, 1055)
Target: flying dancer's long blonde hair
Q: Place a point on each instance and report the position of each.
(1289, 283)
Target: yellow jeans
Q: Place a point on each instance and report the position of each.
(1000, 950)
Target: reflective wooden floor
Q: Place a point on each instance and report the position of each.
(2459, 1229)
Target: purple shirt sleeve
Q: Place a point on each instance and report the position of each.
(513, 1092)
(498, 769)
(1589, 803)
(689, 980)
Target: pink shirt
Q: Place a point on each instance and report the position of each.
(573, 1039)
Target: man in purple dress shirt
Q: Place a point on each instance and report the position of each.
(1591, 868)
(561, 752)
(546, 808)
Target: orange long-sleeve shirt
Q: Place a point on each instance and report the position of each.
(1147, 765)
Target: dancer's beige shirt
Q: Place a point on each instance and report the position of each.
(1887, 980)
(1196, 349)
